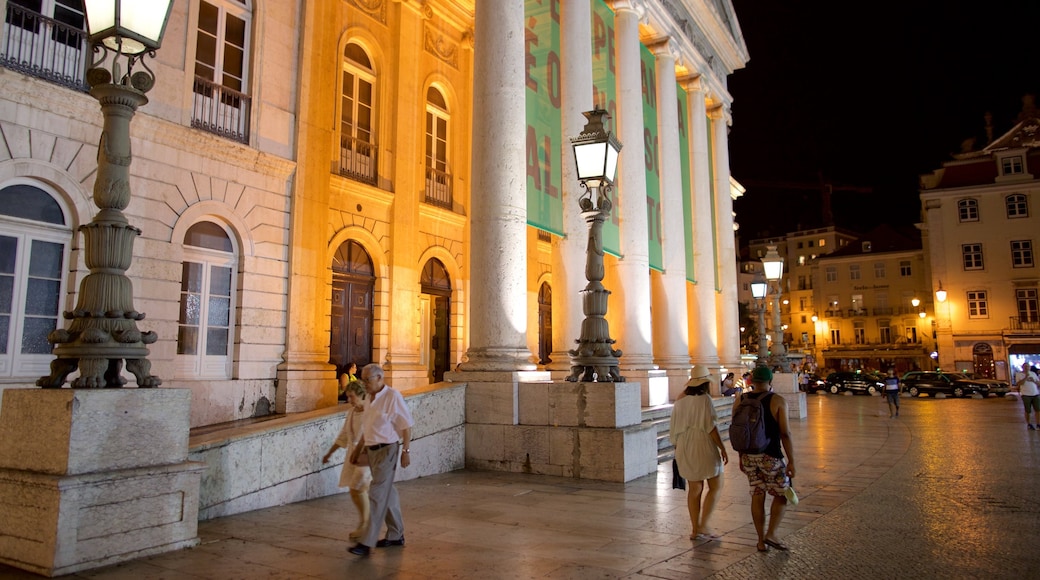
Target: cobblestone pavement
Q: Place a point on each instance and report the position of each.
(947, 490)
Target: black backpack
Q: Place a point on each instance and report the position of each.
(747, 431)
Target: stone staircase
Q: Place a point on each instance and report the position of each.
(661, 415)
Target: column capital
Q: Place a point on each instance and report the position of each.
(665, 46)
(468, 39)
(637, 6)
(692, 82)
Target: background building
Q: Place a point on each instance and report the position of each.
(980, 229)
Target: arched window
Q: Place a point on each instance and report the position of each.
(968, 210)
(438, 168)
(1016, 206)
(34, 244)
(357, 116)
(205, 332)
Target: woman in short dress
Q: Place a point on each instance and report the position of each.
(699, 452)
(357, 477)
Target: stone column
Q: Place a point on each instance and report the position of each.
(671, 335)
(702, 294)
(568, 256)
(634, 267)
(727, 310)
(498, 222)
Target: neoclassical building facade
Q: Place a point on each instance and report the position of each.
(332, 181)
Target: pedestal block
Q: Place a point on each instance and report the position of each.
(582, 430)
(787, 385)
(96, 477)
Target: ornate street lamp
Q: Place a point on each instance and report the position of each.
(596, 155)
(773, 265)
(103, 330)
(759, 287)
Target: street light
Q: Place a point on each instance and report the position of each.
(103, 329)
(596, 153)
(773, 265)
(940, 294)
(759, 287)
(915, 302)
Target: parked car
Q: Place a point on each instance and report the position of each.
(855, 381)
(815, 383)
(954, 384)
(994, 386)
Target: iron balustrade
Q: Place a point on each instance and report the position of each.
(438, 188)
(357, 160)
(1025, 323)
(220, 110)
(44, 48)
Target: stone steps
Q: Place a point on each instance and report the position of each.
(660, 418)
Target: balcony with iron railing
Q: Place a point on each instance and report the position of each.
(438, 188)
(42, 47)
(220, 110)
(357, 160)
(1029, 324)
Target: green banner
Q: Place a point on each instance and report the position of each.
(544, 130)
(714, 204)
(651, 158)
(604, 96)
(687, 188)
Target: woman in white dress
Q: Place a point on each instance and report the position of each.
(699, 452)
(357, 477)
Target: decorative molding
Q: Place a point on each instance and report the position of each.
(685, 23)
(441, 47)
(375, 9)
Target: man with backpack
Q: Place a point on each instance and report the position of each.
(757, 432)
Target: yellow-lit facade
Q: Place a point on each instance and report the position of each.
(302, 175)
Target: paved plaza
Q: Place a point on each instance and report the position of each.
(948, 490)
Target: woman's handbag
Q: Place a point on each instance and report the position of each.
(677, 480)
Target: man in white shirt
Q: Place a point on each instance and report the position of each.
(1030, 393)
(385, 429)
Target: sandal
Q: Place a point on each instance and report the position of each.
(776, 545)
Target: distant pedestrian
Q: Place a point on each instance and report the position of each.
(1027, 382)
(767, 472)
(699, 451)
(728, 386)
(356, 477)
(386, 429)
(892, 393)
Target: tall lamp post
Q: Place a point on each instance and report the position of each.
(103, 330)
(759, 287)
(596, 155)
(773, 265)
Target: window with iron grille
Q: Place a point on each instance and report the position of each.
(357, 116)
(1027, 304)
(221, 104)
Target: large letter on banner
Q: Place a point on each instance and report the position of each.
(652, 158)
(544, 130)
(604, 95)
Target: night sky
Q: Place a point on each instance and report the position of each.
(867, 96)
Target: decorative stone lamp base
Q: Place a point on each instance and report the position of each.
(93, 477)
